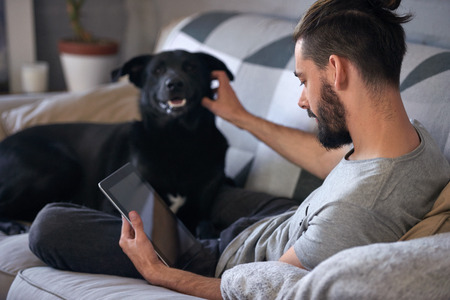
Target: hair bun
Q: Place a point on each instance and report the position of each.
(386, 4)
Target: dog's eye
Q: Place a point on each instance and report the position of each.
(189, 67)
(158, 70)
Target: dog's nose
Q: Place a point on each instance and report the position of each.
(173, 84)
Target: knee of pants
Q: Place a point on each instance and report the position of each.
(47, 226)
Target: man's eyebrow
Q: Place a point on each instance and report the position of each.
(298, 74)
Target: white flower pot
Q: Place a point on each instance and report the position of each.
(86, 66)
(85, 72)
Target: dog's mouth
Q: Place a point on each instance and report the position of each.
(176, 103)
(173, 105)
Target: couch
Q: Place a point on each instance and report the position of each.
(259, 51)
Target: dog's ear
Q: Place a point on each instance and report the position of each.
(214, 63)
(134, 68)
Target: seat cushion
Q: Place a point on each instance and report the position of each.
(49, 283)
(14, 256)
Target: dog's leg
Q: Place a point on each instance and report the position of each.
(196, 212)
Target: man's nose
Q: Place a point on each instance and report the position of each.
(303, 102)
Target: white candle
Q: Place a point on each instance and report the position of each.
(35, 77)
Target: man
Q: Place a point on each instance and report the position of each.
(348, 57)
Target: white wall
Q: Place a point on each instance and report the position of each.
(430, 25)
(20, 38)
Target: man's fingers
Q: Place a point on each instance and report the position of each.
(206, 102)
(138, 226)
(127, 231)
(133, 230)
(219, 74)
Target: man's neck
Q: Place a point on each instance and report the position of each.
(382, 130)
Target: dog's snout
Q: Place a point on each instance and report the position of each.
(174, 84)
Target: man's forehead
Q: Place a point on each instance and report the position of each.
(299, 61)
(303, 66)
(299, 48)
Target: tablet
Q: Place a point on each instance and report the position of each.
(127, 191)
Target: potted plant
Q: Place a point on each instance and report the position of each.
(86, 60)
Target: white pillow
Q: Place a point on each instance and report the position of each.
(112, 103)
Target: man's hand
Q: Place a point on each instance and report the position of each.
(227, 104)
(300, 147)
(139, 249)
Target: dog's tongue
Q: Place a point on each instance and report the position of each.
(177, 102)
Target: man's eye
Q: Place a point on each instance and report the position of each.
(302, 82)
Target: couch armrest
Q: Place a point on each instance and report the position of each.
(8, 102)
(14, 100)
(115, 102)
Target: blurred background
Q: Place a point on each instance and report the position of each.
(36, 26)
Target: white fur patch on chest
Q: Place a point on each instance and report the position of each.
(176, 202)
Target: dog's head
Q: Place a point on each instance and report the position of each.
(172, 83)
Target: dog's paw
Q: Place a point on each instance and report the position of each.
(176, 202)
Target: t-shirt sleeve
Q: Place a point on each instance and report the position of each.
(338, 226)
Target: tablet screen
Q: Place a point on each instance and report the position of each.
(127, 191)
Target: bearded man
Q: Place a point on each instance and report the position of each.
(382, 172)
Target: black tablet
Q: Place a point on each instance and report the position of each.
(128, 191)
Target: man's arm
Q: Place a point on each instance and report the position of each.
(138, 248)
(299, 147)
(291, 258)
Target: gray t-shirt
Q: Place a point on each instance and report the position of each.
(359, 203)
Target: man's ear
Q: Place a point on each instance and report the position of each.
(214, 63)
(338, 69)
(134, 68)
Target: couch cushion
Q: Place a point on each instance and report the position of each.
(424, 80)
(436, 221)
(111, 103)
(14, 256)
(49, 283)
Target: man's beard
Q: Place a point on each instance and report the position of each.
(333, 132)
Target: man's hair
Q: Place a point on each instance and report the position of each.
(366, 32)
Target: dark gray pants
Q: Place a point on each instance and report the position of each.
(71, 237)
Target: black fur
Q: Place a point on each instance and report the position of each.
(178, 149)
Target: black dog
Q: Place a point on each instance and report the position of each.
(176, 146)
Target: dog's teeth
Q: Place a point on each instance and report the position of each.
(177, 103)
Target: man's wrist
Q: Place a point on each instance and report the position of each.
(187, 282)
(245, 120)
